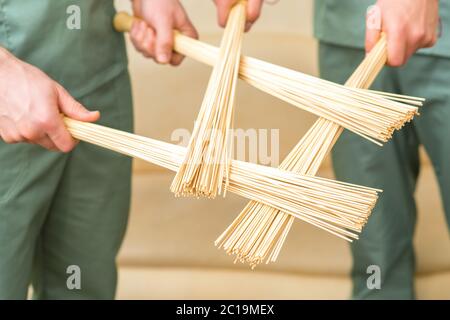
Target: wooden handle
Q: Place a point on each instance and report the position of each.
(184, 45)
(123, 22)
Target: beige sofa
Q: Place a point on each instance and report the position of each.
(169, 252)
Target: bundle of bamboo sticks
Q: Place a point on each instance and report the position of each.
(259, 232)
(208, 157)
(323, 202)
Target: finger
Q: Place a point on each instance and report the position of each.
(136, 5)
(72, 108)
(248, 26)
(150, 40)
(411, 49)
(10, 134)
(147, 46)
(372, 37)
(434, 39)
(164, 39)
(184, 26)
(138, 31)
(253, 10)
(134, 28)
(9, 139)
(46, 143)
(431, 38)
(12, 137)
(397, 48)
(60, 136)
(373, 27)
(137, 43)
(223, 10)
(177, 59)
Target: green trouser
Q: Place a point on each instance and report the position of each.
(63, 210)
(387, 238)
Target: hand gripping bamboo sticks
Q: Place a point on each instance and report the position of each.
(373, 115)
(336, 206)
(258, 233)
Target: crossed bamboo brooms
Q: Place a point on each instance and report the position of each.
(278, 196)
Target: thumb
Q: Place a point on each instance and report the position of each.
(223, 10)
(72, 108)
(372, 37)
(373, 27)
(164, 39)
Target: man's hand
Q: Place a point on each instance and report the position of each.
(31, 105)
(153, 36)
(253, 11)
(409, 26)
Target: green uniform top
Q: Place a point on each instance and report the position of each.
(45, 34)
(342, 22)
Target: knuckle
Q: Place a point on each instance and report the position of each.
(434, 39)
(397, 30)
(418, 35)
(30, 133)
(7, 139)
(11, 138)
(134, 41)
(138, 47)
(137, 37)
(431, 39)
(45, 122)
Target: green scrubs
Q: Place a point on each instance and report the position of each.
(387, 240)
(59, 210)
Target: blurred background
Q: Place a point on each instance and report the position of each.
(169, 251)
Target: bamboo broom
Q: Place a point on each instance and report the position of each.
(315, 200)
(371, 114)
(259, 232)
